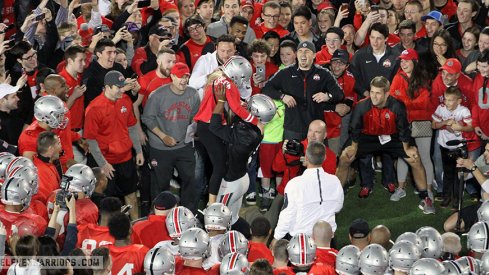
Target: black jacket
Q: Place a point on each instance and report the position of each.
(302, 85)
(93, 78)
(364, 67)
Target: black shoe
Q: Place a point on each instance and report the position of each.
(439, 196)
(446, 201)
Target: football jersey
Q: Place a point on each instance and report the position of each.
(24, 223)
(86, 210)
(181, 269)
(150, 232)
(91, 236)
(286, 270)
(127, 259)
(259, 251)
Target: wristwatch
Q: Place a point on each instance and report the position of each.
(473, 168)
(329, 96)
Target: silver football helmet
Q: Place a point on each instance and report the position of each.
(347, 260)
(51, 110)
(238, 69)
(403, 255)
(484, 264)
(413, 238)
(478, 237)
(234, 264)
(427, 266)
(179, 220)
(463, 266)
(302, 250)
(80, 178)
(5, 159)
(194, 244)
(374, 259)
(483, 212)
(432, 242)
(28, 174)
(217, 216)
(159, 261)
(20, 162)
(232, 241)
(16, 191)
(262, 107)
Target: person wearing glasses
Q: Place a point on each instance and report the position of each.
(270, 15)
(144, 59)
(198, 44)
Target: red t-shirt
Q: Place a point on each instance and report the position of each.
(8, 16)
(326, 256)
(150, 232)
(259, 251)
(270, 69)
(91, 236)
(26, 223)
(49, 179)
(107, 122)
(260, 30)
(77, 109)
(233, 99)
(149, 82)
(127, 259)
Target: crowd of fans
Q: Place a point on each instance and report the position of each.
(107, 105)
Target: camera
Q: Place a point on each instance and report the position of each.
(294, 147)
(460, 152)
(64, 193)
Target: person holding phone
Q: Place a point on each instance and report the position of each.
(262, 68)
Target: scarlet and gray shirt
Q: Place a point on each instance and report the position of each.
(171, 113)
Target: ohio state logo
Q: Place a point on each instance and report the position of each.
(387, 63)
(316, 77)
(387, 116)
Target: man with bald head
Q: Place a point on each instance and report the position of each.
(322, 234)
(381, 235)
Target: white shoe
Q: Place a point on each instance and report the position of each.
(398, 194)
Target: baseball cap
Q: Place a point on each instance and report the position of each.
(180, 69)
(409, 54)
(359, 229)
(326, 5)
(165, 200)
(114, 78)
(452, 66)
(6, 89)
(247, 3)
(436, 15)
(341, 55)
(159, 30)
(307, 45)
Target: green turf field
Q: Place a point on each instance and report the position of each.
(399, 217)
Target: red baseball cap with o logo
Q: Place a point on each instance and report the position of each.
(452, 66)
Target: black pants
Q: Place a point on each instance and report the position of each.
(163, 163)
(216, 149)
(450, 179)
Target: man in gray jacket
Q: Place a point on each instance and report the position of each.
(167, 114)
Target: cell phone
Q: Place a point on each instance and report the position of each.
(40, 17)
(260, 70)
(144, 3)
(85, 1)
(374, 8)
(344, 6)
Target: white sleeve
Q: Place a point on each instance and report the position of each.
(288, 212)
(436, 115)
(485, 186)
(199, 74)
(341, 198)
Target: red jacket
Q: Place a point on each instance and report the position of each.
(281, 160)
(480, 108)
(332, 119)
(418, 108)
(438, 89)
(233, 99)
